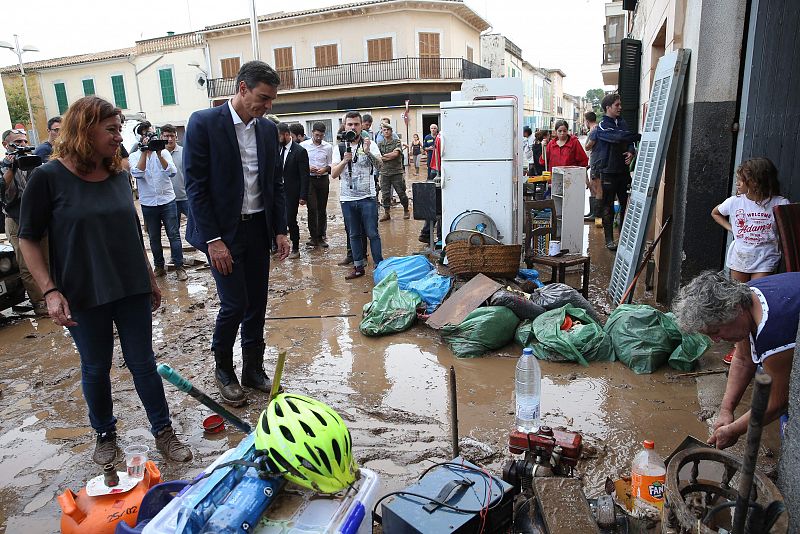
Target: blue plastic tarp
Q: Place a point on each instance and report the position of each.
(432, 289)
(408, 269)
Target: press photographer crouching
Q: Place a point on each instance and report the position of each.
(17, 164)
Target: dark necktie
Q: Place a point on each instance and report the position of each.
(283, 153)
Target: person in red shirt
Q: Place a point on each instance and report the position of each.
(564, 150)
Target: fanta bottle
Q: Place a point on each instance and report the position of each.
(648, 478)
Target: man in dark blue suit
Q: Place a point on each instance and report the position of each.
(237, 202)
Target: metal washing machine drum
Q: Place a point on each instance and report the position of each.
(475, 220)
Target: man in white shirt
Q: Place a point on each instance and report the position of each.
(320, 157)
(527, 149)
(355, 168)
(237, 202)
(153, 168)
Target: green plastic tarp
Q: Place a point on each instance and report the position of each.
(391, 310)
(584, 342)
(645, 338)
(484, 329)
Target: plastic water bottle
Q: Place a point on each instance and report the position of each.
(648, 477)
(528, 392)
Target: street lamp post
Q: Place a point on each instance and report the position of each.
(19, 51)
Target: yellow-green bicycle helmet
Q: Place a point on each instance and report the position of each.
(307, 441)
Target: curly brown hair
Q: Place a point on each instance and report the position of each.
(75, 140)
(761, 178)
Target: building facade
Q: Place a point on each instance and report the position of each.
(372, 56)
(155, 79)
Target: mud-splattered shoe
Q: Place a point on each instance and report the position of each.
(171, 447)
(105, 448)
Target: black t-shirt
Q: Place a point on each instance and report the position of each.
(96, 248)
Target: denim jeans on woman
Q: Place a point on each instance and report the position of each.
(153, 217)
(361, 218)
(94, 337)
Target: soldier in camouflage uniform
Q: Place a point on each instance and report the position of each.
(392, 172)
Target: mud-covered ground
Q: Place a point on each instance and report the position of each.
(391, 391)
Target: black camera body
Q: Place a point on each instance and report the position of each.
(153, 144)
(23, 159)
(349, 136)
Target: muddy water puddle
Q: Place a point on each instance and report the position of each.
(391, 391)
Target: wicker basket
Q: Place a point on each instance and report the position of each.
(466, 259)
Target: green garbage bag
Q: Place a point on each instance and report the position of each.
(391, 309)
(485, 329)
(645, 338)
(584, 342)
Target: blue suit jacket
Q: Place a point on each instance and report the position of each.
(215, 181)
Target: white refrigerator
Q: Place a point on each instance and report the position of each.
(481, 164)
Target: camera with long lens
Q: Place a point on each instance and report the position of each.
(23, 159)
(349, 136)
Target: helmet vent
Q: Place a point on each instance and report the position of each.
(324, 458)
(308, 465)
(286, 433)
(337, 452)
(285, 465)
(311, 453)
(293, 406)
(320, 417)
(278, 410)
(347, 442)
(309, 432)
(265, 425)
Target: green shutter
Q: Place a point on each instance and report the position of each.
(61, 98)
(167, 87)
(118, 86)
(88, 87)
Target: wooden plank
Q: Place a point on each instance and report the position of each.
(463, 301)
(563, 506)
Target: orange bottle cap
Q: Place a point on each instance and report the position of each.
(648, 444)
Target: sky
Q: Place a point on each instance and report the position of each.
(565, 34)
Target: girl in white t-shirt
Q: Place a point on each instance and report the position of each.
(754, 252)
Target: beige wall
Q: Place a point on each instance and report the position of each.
(189, 95)
(5, 119)
(351, 36)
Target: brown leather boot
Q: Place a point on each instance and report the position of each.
(385, 217)
(225, 378)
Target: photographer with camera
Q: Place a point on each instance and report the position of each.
(15, 168)
(153, 168)
(354, 164)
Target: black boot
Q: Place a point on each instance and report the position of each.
(608, 229)
(253, 375)
(589, 217)
(225, 378)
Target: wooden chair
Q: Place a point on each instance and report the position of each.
(531, 234)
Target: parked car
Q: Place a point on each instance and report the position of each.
(12, 291)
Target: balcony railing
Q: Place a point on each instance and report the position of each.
(410, 68)
(611, 53)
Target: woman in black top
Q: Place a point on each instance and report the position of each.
(99, 273)
(416, 153)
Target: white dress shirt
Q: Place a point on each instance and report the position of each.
(154, 182)
(248, 150)
(320, 155)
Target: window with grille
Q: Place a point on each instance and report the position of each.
(88, 87)
(61, 97)
(167, 81)
(326, 55)
(284, 64)
(379, 49)
(118, 87)
(230, 67)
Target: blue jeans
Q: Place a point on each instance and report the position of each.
(94, 337)
(361, 218)
(153, 217)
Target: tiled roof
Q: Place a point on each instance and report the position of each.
(71, 60)
(292, 14)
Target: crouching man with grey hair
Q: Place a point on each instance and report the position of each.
(761, 317)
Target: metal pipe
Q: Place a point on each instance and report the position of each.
(254, 30)
(453, 412)
(758, 405)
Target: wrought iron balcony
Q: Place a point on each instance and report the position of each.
(410, 68)
(611, 53)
